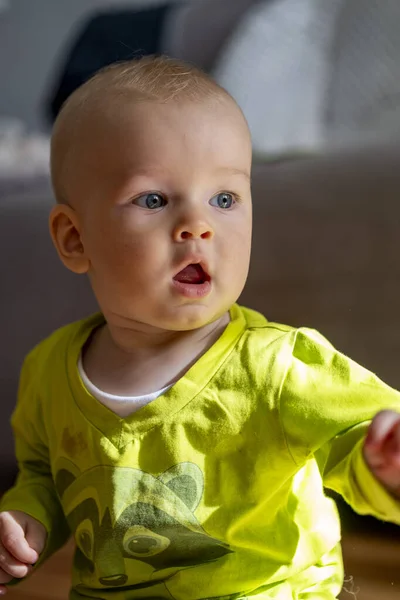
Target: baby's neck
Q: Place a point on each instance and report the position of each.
(145, 363)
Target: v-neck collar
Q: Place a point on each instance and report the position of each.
(118, 430)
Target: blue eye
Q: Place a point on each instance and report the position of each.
(223, 200)
(150, 201)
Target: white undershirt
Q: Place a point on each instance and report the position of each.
(120, 405)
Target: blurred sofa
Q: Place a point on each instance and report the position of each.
(326, 254)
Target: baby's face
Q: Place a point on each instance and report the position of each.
(162, 192)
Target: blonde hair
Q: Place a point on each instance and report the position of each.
(155, 78)
(152, 78)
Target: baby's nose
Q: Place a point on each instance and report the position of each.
(194, 230)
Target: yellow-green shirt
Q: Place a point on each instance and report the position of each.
(214, 489)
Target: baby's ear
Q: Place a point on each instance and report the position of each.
(66, 235)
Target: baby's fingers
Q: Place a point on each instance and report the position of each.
(12, 538)
(382, 450)
(383, 438)
(11, 567)
(4, 578)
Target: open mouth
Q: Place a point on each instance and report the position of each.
(192, 274)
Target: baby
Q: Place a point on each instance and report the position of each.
(183, 440)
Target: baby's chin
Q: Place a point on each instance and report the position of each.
(182, 319)
(193, 320)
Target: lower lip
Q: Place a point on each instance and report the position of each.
(192, 290)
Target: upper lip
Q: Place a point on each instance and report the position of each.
(194, 260)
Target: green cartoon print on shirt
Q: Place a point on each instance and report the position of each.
(132, 528)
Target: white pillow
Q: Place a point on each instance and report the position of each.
(365, 92)
(277, 65)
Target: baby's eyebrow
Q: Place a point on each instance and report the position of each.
(235, 171)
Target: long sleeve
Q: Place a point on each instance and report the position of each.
(34, 492)
(327, 402)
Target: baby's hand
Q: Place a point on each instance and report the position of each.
(382, 450)
(22, 539)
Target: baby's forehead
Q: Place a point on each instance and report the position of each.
(121, 115)
(119, 130)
